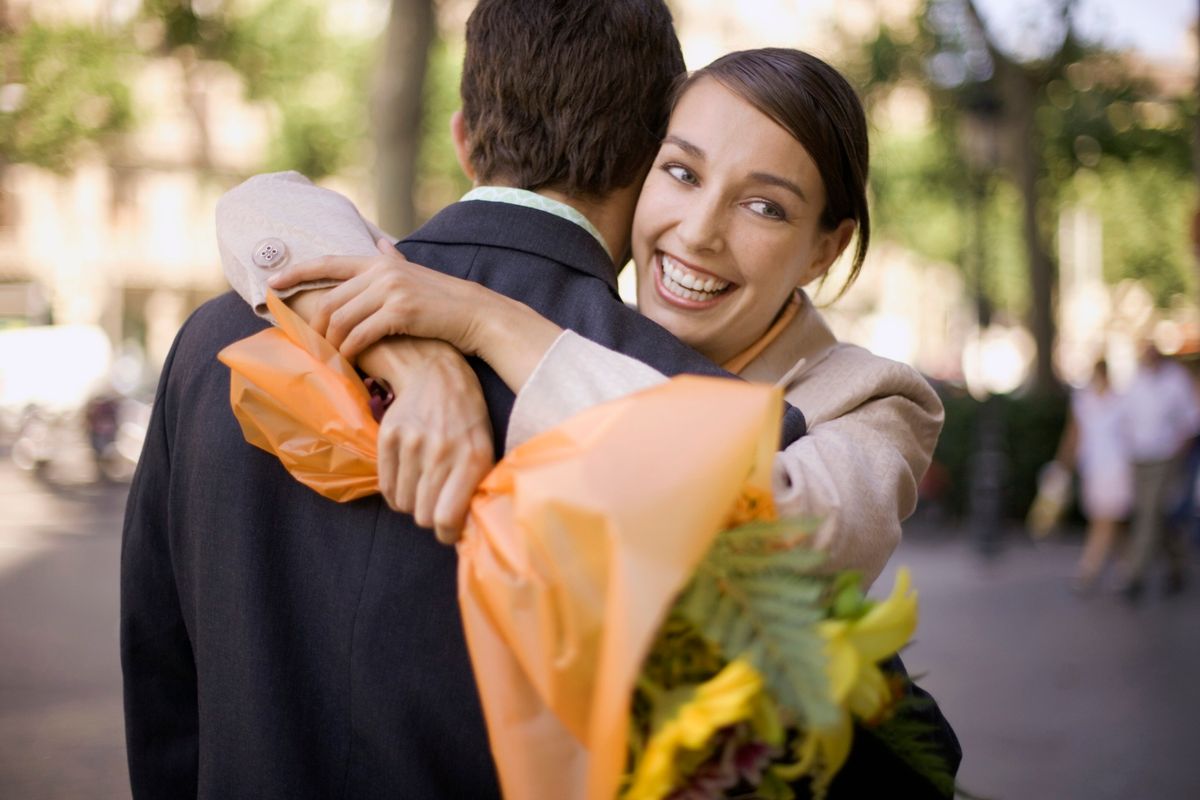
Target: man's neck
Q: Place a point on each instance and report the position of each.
(611, 216)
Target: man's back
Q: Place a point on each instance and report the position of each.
(302, 648)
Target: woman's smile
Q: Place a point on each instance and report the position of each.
(687, 285)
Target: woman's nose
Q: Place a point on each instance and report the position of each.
(701, 226)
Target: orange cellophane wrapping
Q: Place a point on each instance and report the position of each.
(574, 549)
(296, 397)
(576, 546)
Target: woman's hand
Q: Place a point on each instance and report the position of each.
(435, 442)
(387, 295)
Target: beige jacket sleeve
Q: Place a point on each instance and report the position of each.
(574, 374)
(284, 218)
(872, 426)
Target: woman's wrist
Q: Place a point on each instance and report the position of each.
(511, 337)
(396, 358)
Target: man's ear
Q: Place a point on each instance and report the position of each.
(462, 145)
(830, 246)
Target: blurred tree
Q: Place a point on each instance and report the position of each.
(64, 85)
(287, 56)
(60, 87)
(440, 179)
(398, 111)
(319, 82)
(1018, 86)
(1059, 107)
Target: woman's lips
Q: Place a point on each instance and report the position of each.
(671, 279)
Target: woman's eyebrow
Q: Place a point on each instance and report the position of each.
(684, 145)
(783, 183)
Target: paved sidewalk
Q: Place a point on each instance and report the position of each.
(61, 728)
(1053, 695)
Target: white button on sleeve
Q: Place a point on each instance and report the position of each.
(270, 254)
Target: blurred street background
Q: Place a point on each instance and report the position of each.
(1052, 695)
(1035, 205)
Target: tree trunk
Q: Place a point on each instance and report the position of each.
(399, 103)
(196, 100)
(1018, 86)
(1195, 229)
(1020, 103)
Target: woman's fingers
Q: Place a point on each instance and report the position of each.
(333, 299)
(450, 515)
(324, 268)
(388, 460)
(351, 309)
(408, 473)
(366, 332)
(429, 487)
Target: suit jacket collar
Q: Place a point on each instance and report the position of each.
(529, 230)
(800, 346)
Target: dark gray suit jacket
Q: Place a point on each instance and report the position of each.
(278, 645)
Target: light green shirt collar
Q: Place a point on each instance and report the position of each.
(528, 199)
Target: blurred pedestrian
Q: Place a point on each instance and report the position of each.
(1161, 416)
(1095, 442)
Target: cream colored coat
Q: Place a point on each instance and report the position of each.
(872, 427)
(872, 423)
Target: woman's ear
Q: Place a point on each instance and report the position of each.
(830, 245)
(462, 144)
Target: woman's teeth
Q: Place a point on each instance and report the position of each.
(682, 282)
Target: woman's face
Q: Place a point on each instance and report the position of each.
(727, 224)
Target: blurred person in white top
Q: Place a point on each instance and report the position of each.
(1095, 442)
(1161, 417)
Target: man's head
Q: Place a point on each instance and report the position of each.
(566, 95)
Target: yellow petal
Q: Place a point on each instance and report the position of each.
(871, 693)
(842, 659)
(728, 697)
(889, 625)
(822, 752)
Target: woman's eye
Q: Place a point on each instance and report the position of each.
(681, 174)
(766, 209)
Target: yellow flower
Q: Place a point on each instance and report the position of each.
(734, 694)
(753, 505)
(822, 753)
(853, 648)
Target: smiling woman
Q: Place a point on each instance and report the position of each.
(731, 219)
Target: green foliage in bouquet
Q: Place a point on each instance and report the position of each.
(753, 602)
(757, 596)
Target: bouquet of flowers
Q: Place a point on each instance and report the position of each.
(640, 623)
(759, 668)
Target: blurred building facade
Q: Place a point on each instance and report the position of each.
(125, 239)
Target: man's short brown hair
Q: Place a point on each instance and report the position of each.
(570, 95)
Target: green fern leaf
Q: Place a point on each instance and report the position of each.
(757, 595)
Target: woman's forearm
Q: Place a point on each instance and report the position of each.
(510, 336)
(384, 295)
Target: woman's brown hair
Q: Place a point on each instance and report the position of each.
(816, 105)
